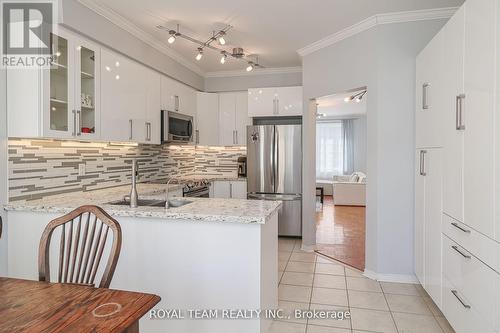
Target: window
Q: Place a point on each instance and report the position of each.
(329, 150)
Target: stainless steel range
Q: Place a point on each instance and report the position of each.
(198, 188)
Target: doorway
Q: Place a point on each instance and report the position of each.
(341, 176)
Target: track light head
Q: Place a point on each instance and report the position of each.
(221, 39)
(200, 54)
(223, 58)
(348, 99)
(250, 66)
(172, 37)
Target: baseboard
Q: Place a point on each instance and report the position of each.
(308, 248)
(399, 278)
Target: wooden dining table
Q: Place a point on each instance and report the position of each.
(33, 306)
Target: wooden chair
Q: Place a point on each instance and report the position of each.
(80, 255)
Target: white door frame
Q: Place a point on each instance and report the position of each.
(4, 192)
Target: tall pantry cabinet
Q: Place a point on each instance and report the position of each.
(457, 229)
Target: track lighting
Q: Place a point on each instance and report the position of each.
(200, 54)
(172, 37)
(223, 58)
(215, 43)
(222, 41)
(356, 97)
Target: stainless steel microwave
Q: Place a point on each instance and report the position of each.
(176, 127)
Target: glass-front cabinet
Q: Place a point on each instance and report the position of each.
(87, 89)
(71, 102)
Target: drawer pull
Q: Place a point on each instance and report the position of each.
(455, 293)
(460, 228)
(454, 247)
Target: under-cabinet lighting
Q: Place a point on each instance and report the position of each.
(131, 144)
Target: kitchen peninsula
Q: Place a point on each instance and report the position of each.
(207, 254)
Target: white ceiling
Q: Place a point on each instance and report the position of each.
(273, 29)
(334, 106)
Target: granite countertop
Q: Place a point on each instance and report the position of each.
(202, 209)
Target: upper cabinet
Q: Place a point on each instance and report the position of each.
(233, 118)
(430, 88)
(62, 101)
(131, 100)
(207, 119)
(281, 101)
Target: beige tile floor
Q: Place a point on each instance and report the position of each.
(310, 281)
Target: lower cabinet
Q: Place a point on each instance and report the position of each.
(229, 189)
(428, 214)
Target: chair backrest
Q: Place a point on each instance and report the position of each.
(83, 238)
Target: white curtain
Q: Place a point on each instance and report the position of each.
(329, 150)
(348, 136)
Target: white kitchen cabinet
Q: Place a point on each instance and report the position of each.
(233, 118)
(429, 110)
(428, 213)
(470, 284)
(130, 96)
(469, 123)
(49, 102)
(280, 101)
(453, 152)
(478, 115)
(229, 189)
(177, 97)
(241, 118)
(262, 102)
(207, 114)
(289, 101)
(221, 189)
(238, 189)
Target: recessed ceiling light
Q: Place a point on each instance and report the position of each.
(172, 37)
(117, 64)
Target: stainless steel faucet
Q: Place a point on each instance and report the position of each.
(167, 194)
(133, 191)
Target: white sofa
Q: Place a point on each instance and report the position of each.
(349, 190)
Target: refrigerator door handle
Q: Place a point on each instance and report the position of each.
(276, 159)
(273, 160)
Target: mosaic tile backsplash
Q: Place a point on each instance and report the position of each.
(39, 168)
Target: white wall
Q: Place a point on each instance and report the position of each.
(383, 60)
(360, 144)
(77, 17)
(251, 80)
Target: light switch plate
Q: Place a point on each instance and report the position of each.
(81, 169)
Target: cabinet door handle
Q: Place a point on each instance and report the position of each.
(176, 101)
(230, 190)
(275, 107)
(425, 88)
(465, 305)
(130, 121)
(79, 123)
(1, 226)
(236, 136)
(460, 228)
(459, 112)
(422, 162)
(466, 256)
(74, 123)
(197, 137)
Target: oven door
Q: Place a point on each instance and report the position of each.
(177, 127)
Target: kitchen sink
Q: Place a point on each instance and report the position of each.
(152, 203)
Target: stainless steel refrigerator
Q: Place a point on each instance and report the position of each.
(274, 171)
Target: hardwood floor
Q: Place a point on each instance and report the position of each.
(340, 233)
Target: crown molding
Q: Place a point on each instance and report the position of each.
(378, 19)
(259, 71)
(134, 30)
